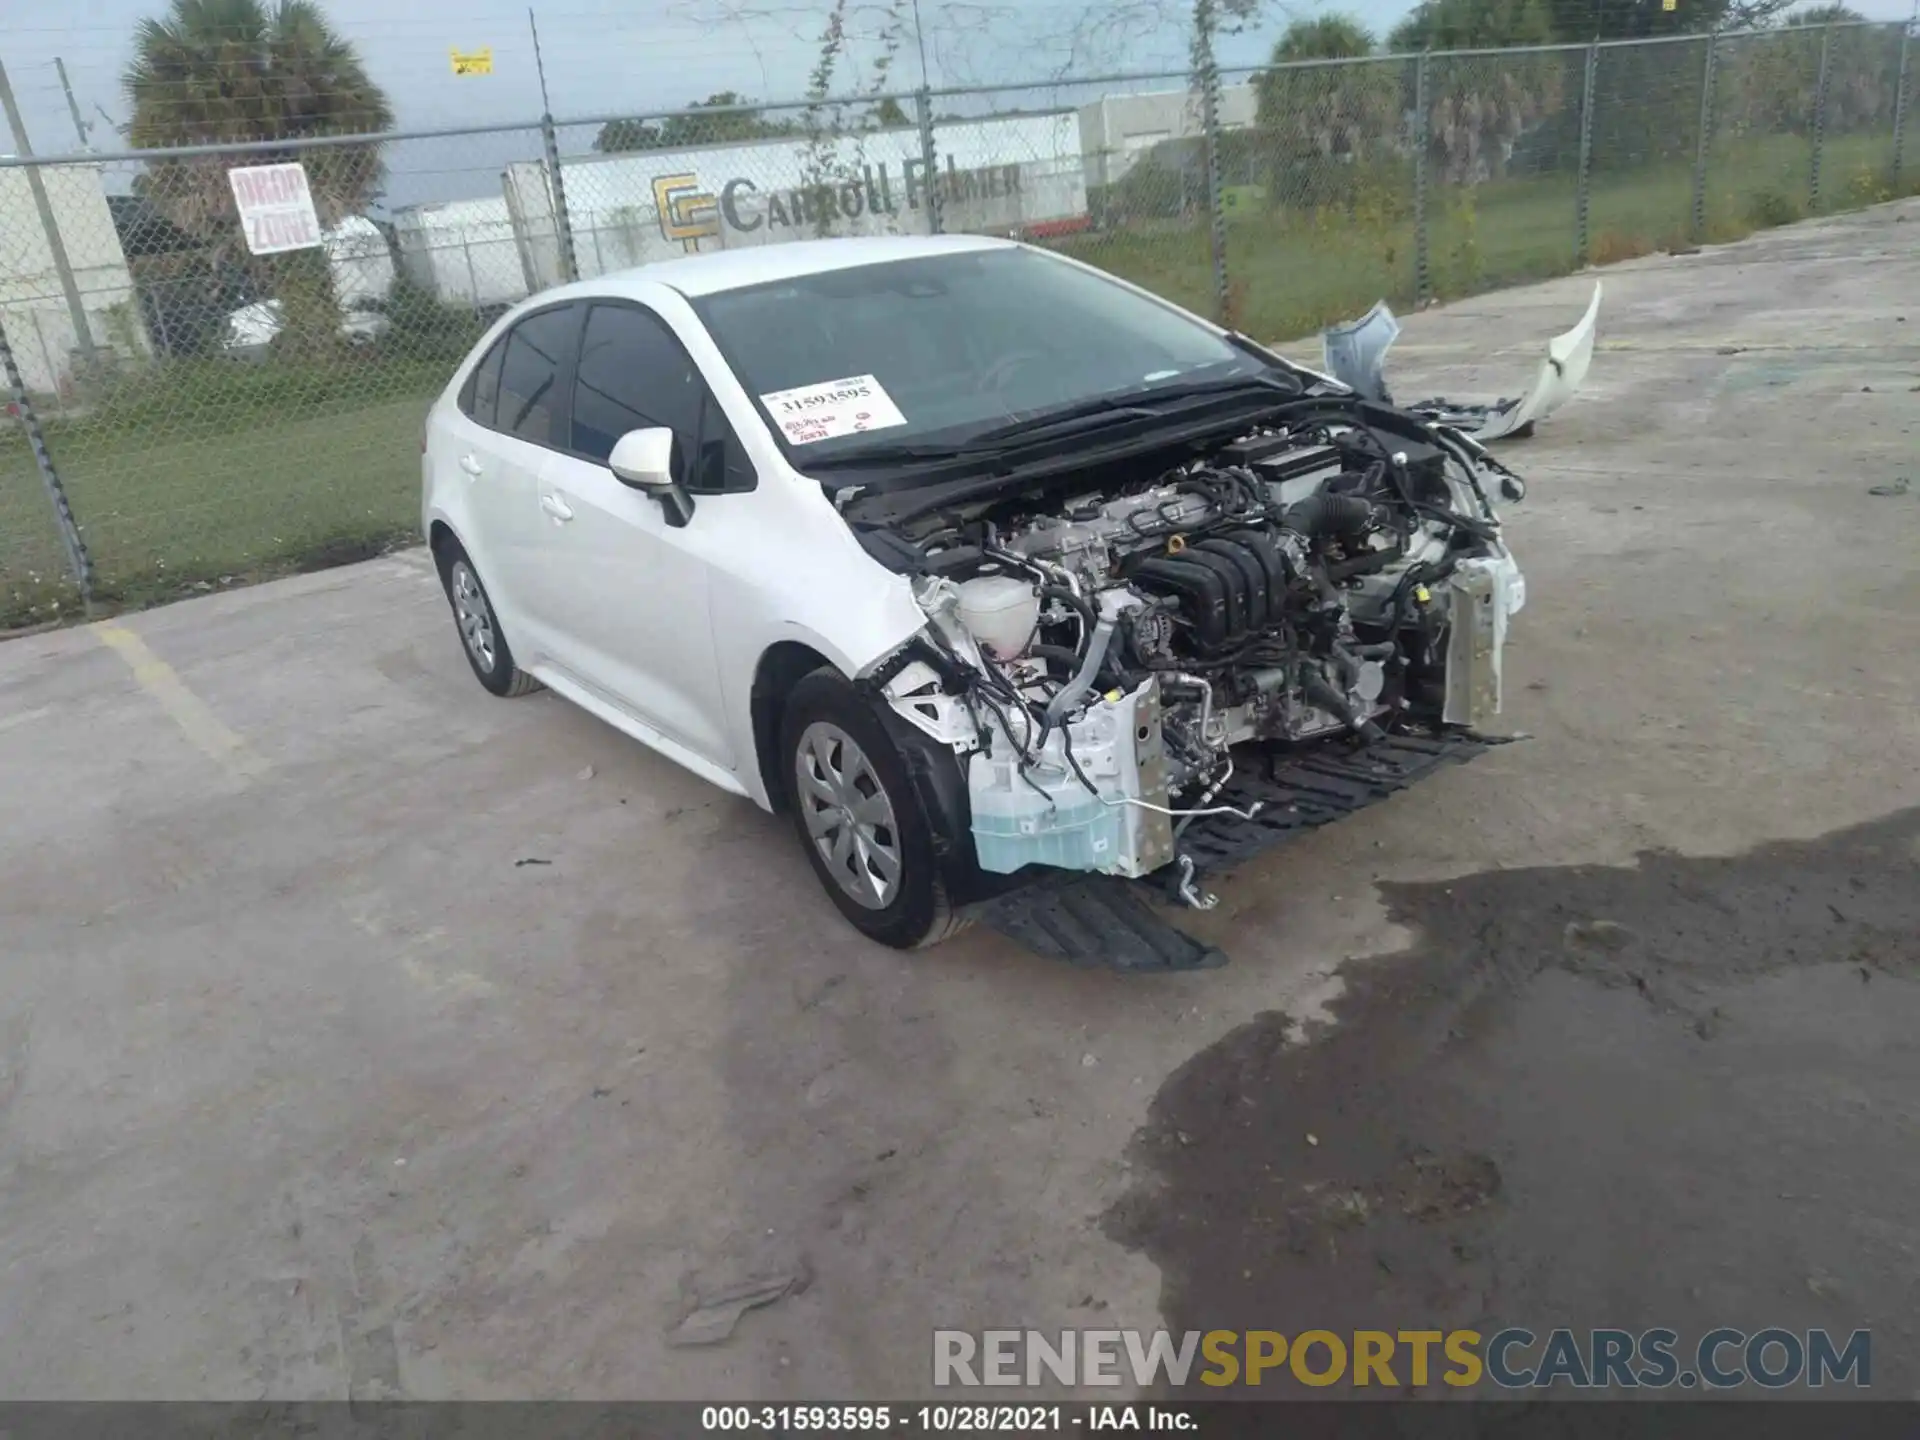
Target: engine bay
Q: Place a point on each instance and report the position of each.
(1103, 649)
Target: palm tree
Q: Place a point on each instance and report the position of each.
(1325, 37)
(216, 72)
(1478, 105)
(1324, 113)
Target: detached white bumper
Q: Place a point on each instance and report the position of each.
(1482, 595)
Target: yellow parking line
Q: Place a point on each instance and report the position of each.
(187, 710)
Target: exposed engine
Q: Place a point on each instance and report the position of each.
(1100, 653)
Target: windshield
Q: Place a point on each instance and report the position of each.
(935, 350)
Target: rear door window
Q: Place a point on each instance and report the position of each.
(531, 372)
(482, 389)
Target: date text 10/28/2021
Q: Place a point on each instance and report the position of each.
(944, 1419)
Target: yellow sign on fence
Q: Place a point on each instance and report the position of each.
(473, 62)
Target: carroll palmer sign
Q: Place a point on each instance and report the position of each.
(690, 214)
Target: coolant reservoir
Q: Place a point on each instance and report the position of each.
(1000, 612)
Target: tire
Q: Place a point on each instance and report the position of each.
(482, 640)
(883, 878)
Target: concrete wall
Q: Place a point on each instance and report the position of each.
(1116, 131)
(463, 250)
(1016, 175)
(32, 304)
(1000, 176)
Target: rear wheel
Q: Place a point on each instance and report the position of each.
(480, 633)
(858, 818)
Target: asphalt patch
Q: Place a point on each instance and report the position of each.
(1680, 1093)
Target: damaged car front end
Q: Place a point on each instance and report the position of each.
(1164, 598)
(1154, 657)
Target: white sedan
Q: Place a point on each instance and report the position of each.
(988, 567)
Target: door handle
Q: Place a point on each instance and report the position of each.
(470, 465)
(556, 507)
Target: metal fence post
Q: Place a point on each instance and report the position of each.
(56, 242)
(1901, 99)
(1207, 73)
(78, 561)
(1583, 202)
(562, 222)
(929, 159)
(1422, 272)
(1819, 117)
(1216, 194)
(1704, 146)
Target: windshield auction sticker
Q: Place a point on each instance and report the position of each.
(834, 408)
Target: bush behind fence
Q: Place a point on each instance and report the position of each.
(189, 415)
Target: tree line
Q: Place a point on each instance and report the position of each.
(725, 117)
(1485, 112)
(210, 72)
(220, 71)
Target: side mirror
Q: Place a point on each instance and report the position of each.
(643, 459)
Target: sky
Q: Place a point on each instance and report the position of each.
(619, 58)
(603, 59)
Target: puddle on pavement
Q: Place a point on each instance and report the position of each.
(1682, 1093)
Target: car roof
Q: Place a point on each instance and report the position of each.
(718, 270)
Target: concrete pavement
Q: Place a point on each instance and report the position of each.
(362, 1035)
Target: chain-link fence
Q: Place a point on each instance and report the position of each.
(1643, 142)
(220, 357)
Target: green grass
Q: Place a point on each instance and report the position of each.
(192, 475)
(260, 498)
(1292, 273)
(178, 508)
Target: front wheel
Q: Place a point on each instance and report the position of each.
(858, 818)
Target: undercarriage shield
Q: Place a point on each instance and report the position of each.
(1104, 921)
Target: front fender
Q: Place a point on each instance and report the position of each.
(852, 621)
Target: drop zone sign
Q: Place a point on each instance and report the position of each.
(276, 207)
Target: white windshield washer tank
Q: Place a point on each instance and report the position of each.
(1001, 613)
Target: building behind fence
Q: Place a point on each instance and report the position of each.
(188, 414)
